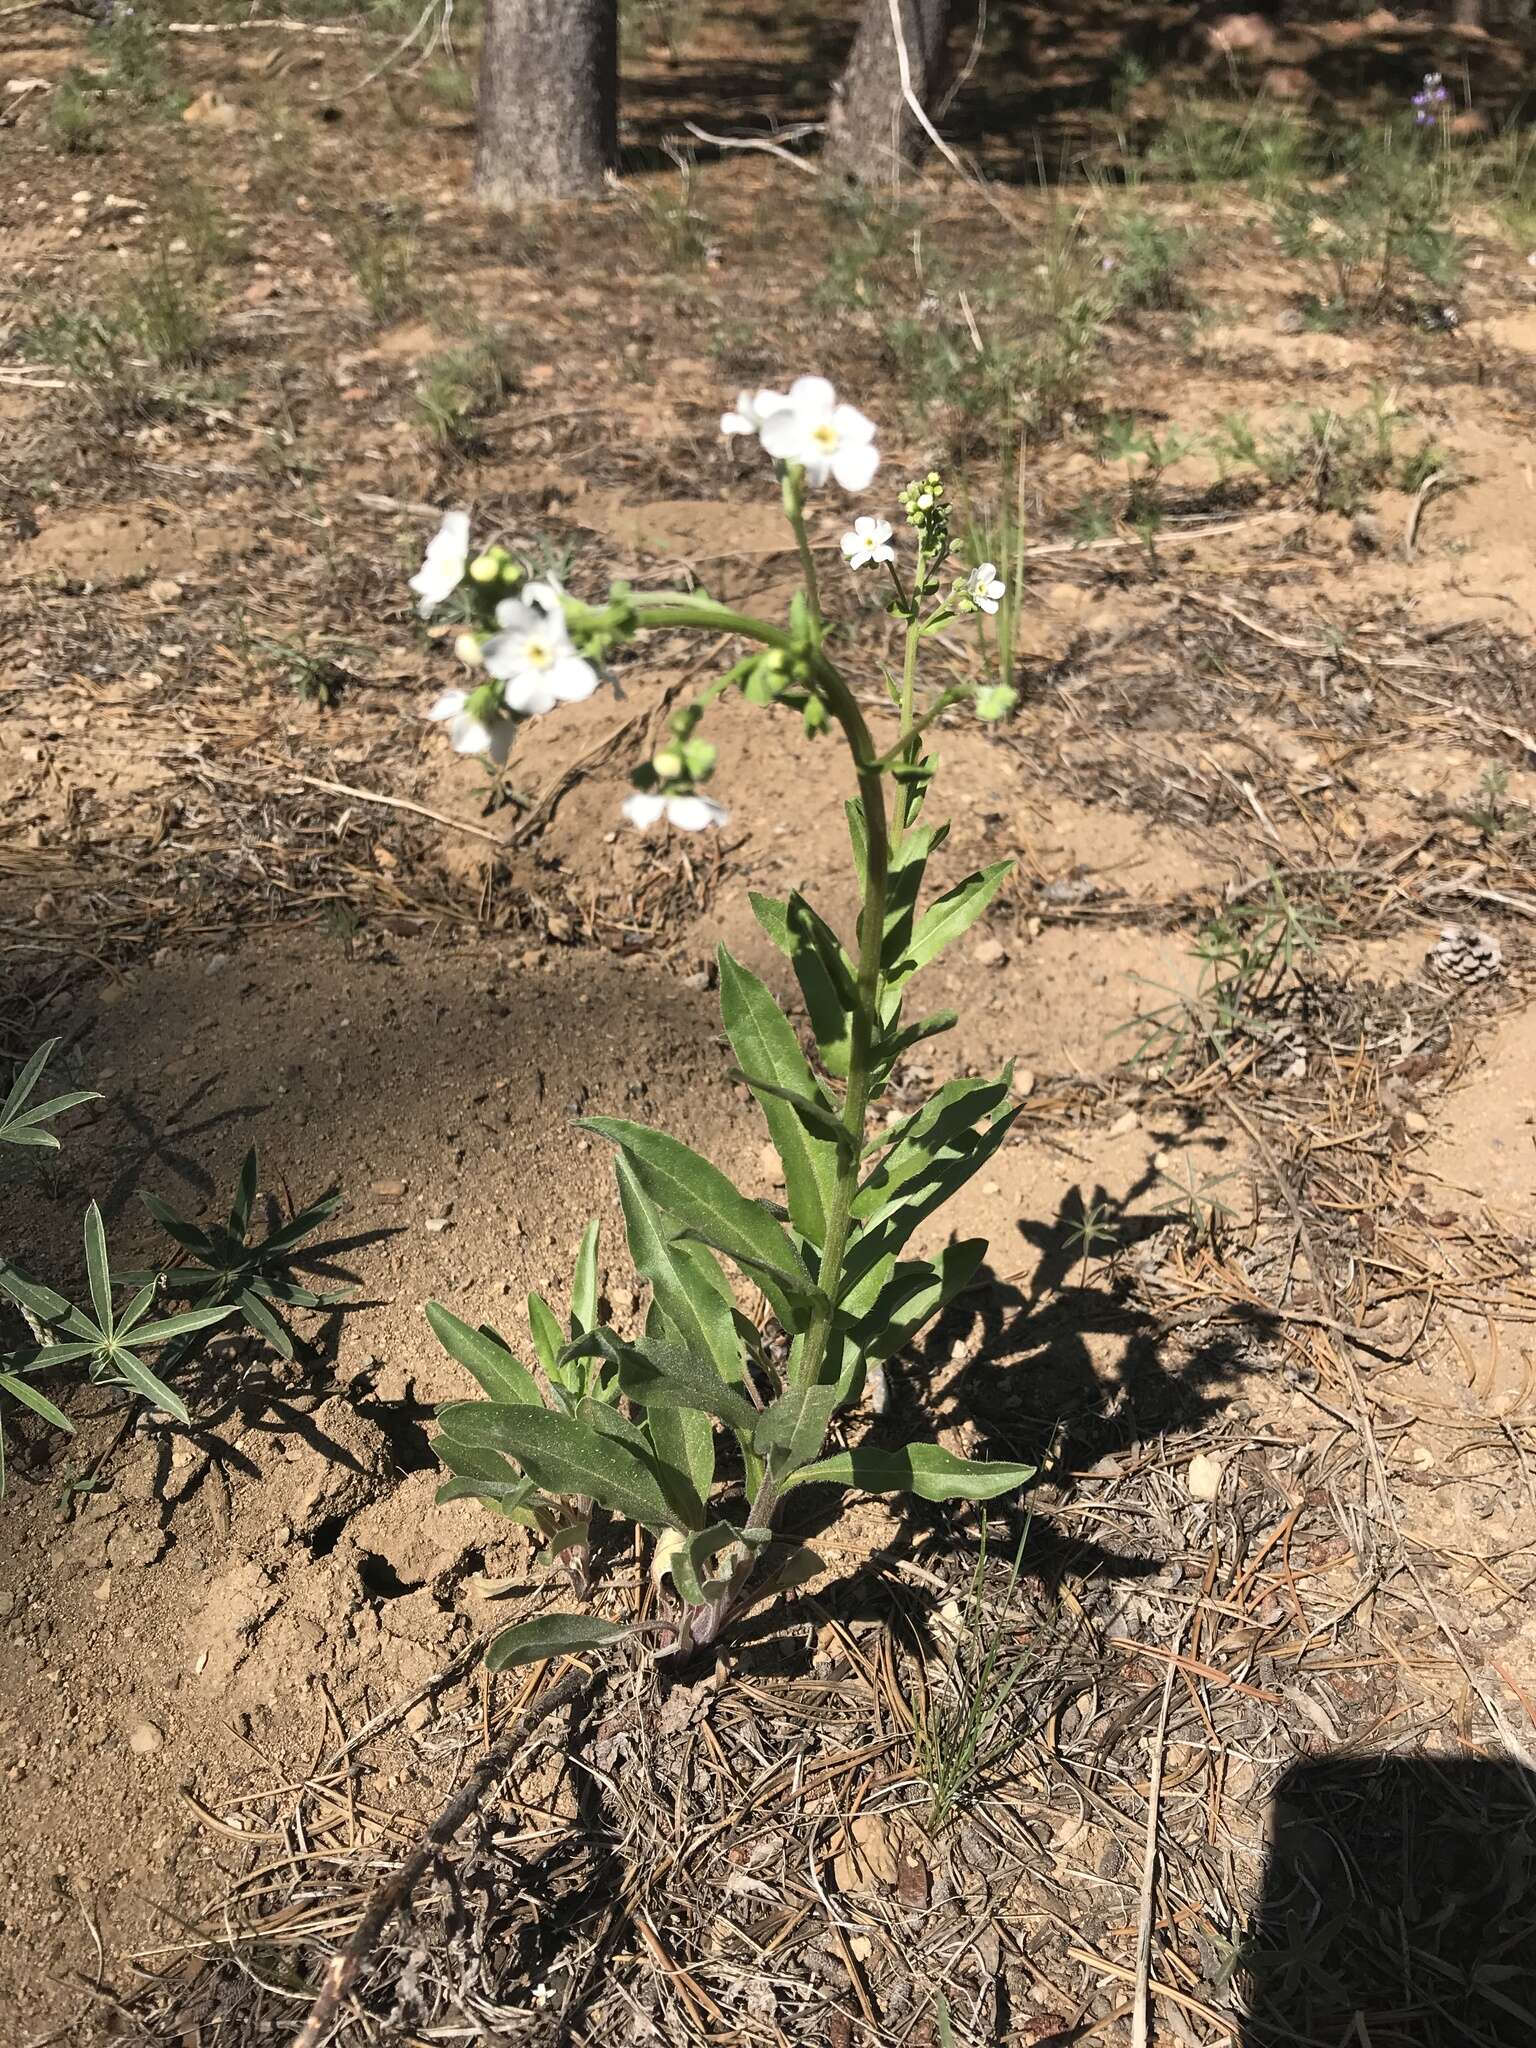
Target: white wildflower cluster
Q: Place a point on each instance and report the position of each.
(521, 643)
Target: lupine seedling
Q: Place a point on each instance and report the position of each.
(636, 1430)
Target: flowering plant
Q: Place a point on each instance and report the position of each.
(631, 1423)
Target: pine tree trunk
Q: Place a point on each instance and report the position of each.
(872, 133)
(549, 100)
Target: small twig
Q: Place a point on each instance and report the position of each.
(278, 21)
(393, 803)
(759, 142)
(393, 1893)
(1433, 482)
(1141, 2012)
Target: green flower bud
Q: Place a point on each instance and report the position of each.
(668, 764)
(995, 700)
(488, 567)
(698, 759)
(468, 648)
(815, 716)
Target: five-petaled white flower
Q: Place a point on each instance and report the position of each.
(984, 587)
(870, 541)
(825, 438)
(470, 735)
(750, 411)
(689, 813)
(447, 558)
(532, 654)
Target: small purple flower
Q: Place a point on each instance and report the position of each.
(1430, 98)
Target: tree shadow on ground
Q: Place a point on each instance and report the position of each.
(1398, 1907)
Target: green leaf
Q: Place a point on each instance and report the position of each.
(688, 1286)
(135, 1373)
(674, 1476)
(764, 1042)
(501, 1375)
(792, 1429)
(264, 1323)
(826, 976)
(548, 1339)
(186, 1234)
(552, 1635)
(684, 1441)
(137, 1308)
(29, 1397)
(909, 864)
(27, 1135)
(97, 1271)
(289, 1234)
(584, 1283)
(930, 1188)
(705, 1203)
(568, 1458)
(943, 1118)
(914, 1294)
(923, 1469)
(686, 1562)
(245, 1195)
(952, 915)
(40, 1301)
(26, 1080)
(891, 1048)
(181, 1324)
(655, 1374)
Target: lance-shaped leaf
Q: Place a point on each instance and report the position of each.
(686, 1561)
(943, 1118)
(566, 1457)
(707, 1205)
(548, 1337)
(656, 1374)
(909, 863)
(552, 1635)
(792, 1429)
(688, 1286)
(823, 970)
(923, 1469)
(775, 1069)
(22, 1126)
(914, 1294)
(29, 1397)
(486, 1476)
(884, 1234)
(684, 1498)
(584, 1283)
(482, 1353)
(950, 916)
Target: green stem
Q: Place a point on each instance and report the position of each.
(794, 512)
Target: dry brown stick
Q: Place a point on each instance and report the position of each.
(393, 1893)
(393, 803)
(1141, 2014)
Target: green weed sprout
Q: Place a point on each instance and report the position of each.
(631, 1423)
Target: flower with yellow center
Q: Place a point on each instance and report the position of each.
(826, 439)
(532, 655)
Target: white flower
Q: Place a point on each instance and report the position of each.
(752, 408)
(870, 541)
(691, 813)
(470, 735)
(984, 587)
(447, 558)
(825, 438)
(533, 656)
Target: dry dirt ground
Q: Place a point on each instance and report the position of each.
(1281, 1392)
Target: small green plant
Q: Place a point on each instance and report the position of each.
(838, 1298)
(228, 1270)
(449, 84)
(1245, 955)
(681, 231)
(134, 55)
(75, 118)
(869, 236)
(1087, 1231)
(1206, 1212)
(382, 260)
(110, 1343)
(961, 1728)
(1490, 810)
(1339, 458)
(995, 536)
(459, 389)
(23, 1122)
(1262, 146)
(1385, 216)
(1146, 259)
(166, 317)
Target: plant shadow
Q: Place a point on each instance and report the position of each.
(1398, 1907)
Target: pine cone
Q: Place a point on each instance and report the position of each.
(1466, 955)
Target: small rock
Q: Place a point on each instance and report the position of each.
(418, 1716)
(45, 909)
(145, 1739)
(1122, 1125)
(770, 1166)
(391, 1190)
(990, 953)
(1290, 320)
(1415, 1123)
(436, 1225)
(1023, 1082)
(164, 590)
(1203, 1478)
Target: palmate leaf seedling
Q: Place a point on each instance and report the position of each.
(110, 1343)
(633, 1423)
(22, 1122)
(229, 1270)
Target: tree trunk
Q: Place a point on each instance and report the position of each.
(872, 133)
(549, 100)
